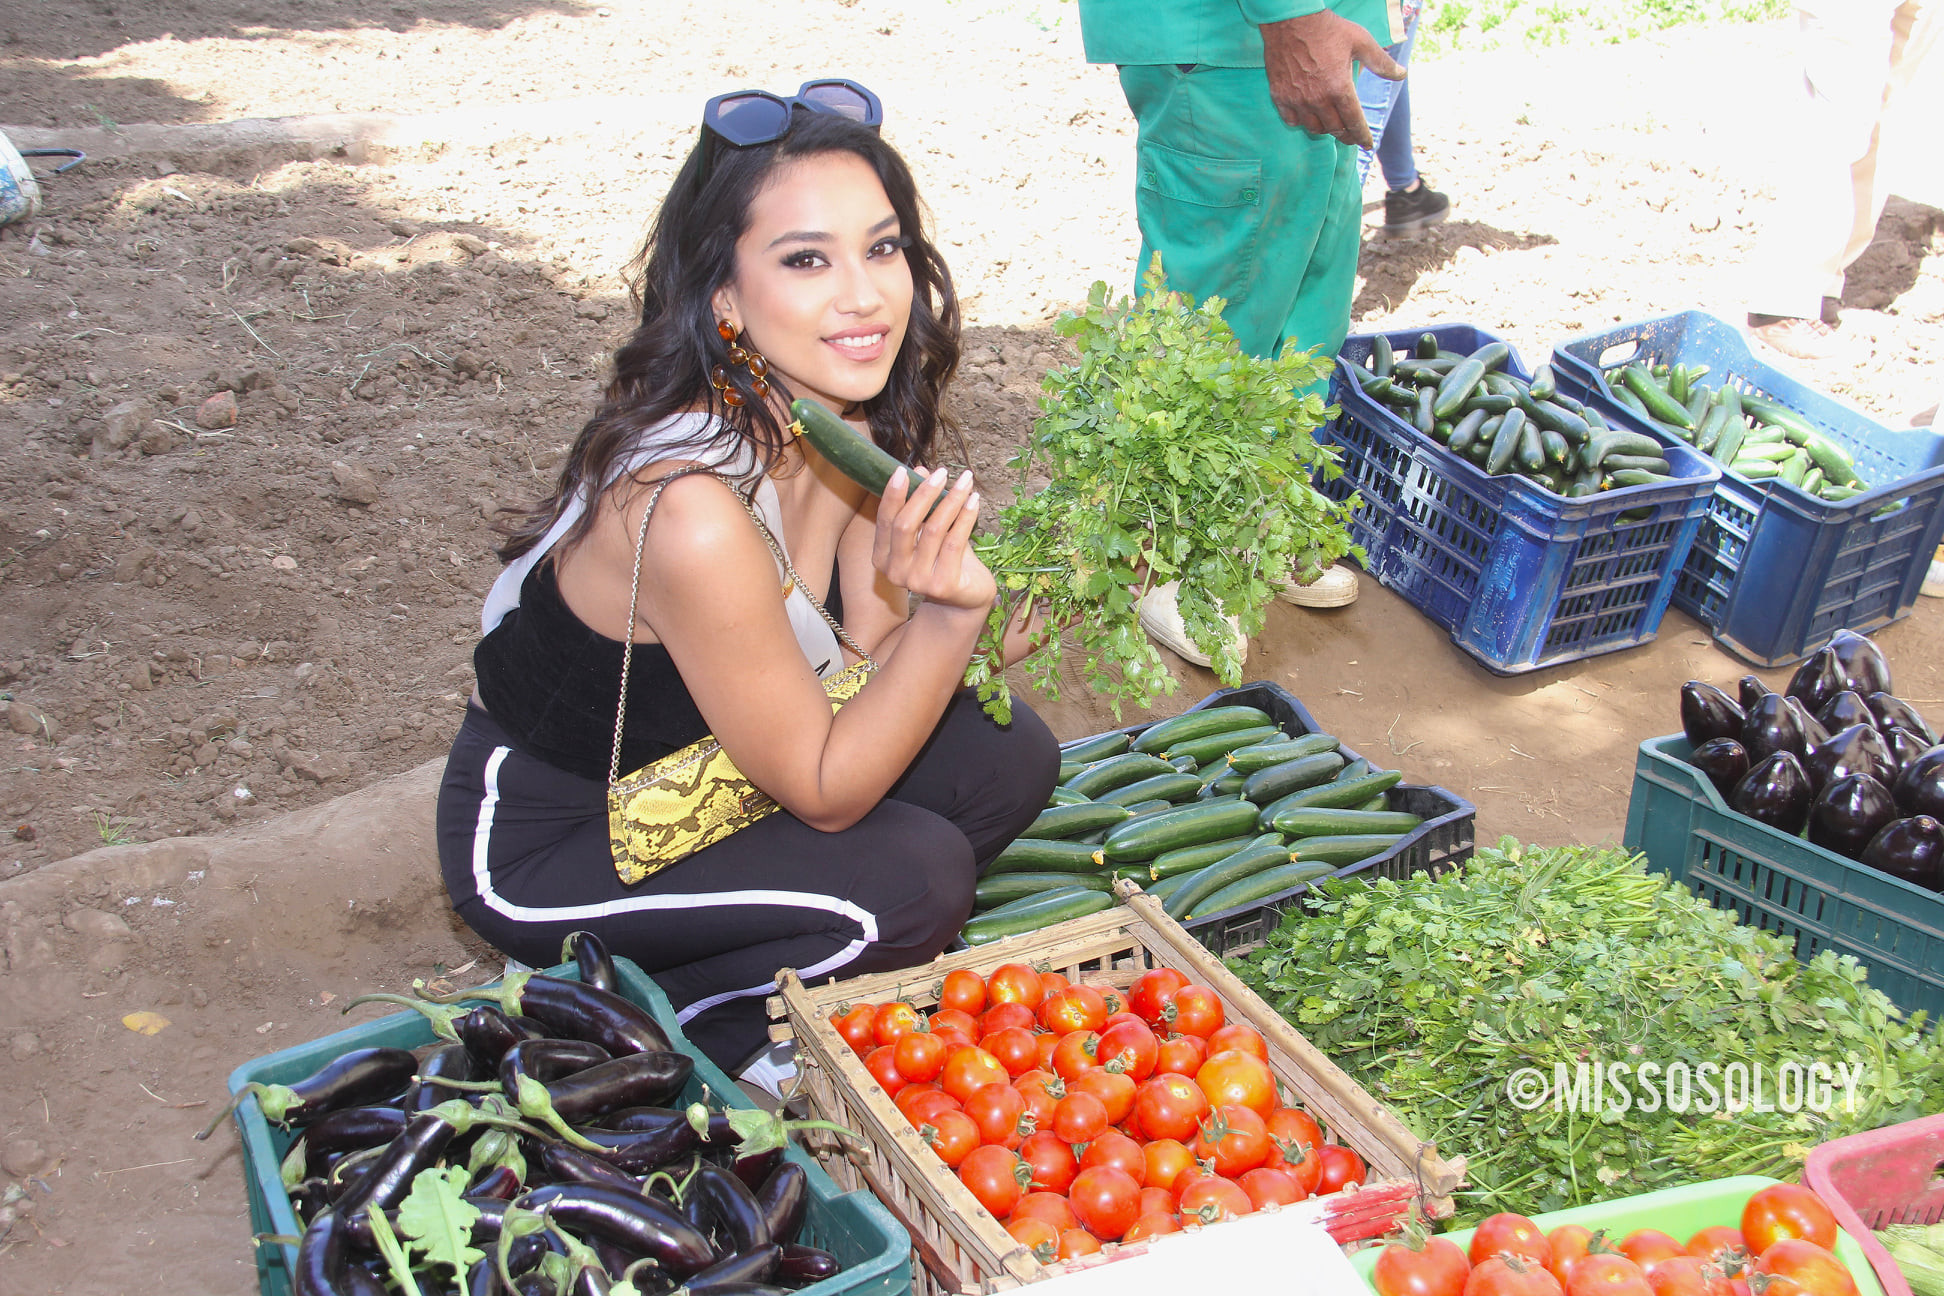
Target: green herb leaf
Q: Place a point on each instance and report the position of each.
(438, 1219)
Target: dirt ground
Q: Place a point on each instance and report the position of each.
(260, 390)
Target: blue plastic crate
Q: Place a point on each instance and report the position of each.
(1774, 570)
(1783, 883)
(1520, 576)
(854, 1227)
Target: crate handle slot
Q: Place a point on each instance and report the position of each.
(1619, 353)
(1643, 515)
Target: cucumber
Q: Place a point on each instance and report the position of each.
(1215, 746)
(1139, 808)
(1423, 417)
(1596, 450)
(1186, 859)
(1621, 478)
(1191, 825)
(1543, 384)
(1456, 387)
(1490, 402)
(1379, 802)
(1172, 786)
(1247, 760)
(1043, 855)
(1036, 898)
(1317, 822)
(1505, 442)
(996, 888)
(849, 453)
(1532, 453)
(1227, 785)
(1655, 398)
(1466, 429)
(1776, 416)
(1729, 446)
(1646, 463)
(1117, 771)
(1382, 358)
(1164, 734)
(1427, 346)
(1069, 768)
(1065, 797)
(991, 927)
(1339, 852)
(1186, 764)
(1251, 859)
(1167, 886)
(1267, 785)
(1340, 795)
(1056, 823)
(1098, 747)
(1273, 880)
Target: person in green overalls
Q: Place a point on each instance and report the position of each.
(1246, 177)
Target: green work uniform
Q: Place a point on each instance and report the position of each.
(1239, 204)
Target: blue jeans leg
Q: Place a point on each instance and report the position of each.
(1386, 106)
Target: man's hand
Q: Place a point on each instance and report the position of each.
(1308, 61)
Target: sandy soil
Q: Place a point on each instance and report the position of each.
(242, 638)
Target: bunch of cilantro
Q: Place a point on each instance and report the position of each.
(1435, 992)
(1172, 454)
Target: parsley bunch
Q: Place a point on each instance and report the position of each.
(1172, 455)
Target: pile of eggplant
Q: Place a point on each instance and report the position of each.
(1836, 756)
(548, 1105)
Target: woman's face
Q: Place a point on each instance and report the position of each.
(822, 289)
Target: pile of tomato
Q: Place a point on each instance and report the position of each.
(1079, 1116)
(1784, 1247)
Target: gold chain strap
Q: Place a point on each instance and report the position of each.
(634, 594)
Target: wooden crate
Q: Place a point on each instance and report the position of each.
(959, 1245)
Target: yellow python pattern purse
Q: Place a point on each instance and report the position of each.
(671, 808)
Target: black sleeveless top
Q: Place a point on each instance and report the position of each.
(551, 684)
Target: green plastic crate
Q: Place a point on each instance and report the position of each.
(1784, 884)
(1682, 1212)
(874, 1250)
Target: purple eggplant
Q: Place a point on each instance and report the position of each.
(1905, 746)
(1773, 727)
(1894, 711)
(1862, 664)
(1816, 681)
(1814, 732)
(1724, 761)
(1858, 749)
(1775, 792)
(359, 1078)
(1707, 712)
(1848, 812)
(1845, 709)
(1911, 849)
(1751, 690)
(638, 1222)
(1919, 789)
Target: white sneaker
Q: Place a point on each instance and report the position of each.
(1161, 618)
(1333, 587)
(773, 1071)
(1934, 581)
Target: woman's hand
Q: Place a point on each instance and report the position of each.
(932, 556)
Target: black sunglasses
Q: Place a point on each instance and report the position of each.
(746, 117)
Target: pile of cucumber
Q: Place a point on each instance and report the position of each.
(1751, 437)
(1207, 811)
(1504, 424)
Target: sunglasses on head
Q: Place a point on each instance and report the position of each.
(747, 117)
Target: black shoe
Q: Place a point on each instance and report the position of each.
(1414, 209)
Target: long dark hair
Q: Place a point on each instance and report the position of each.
(663, 369)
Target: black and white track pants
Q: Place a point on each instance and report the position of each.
(524, 851)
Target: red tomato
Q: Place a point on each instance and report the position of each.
(1077, 1052)
(1801, 1267)
(893, 1020)
(1014, 1047)
(1114, 1089)
(1212, 1199)
(1079, 1118)
(1720, 1245)
(1438, 1268)
(1052, 981)
(1049, 1206)
(1106, 1201)
(1237, 1036)
(1195, 1010)
(997, 1109)
(1149, 995)
(1234, 1138)
(952, 1135)
(1006, 1016)
(1240, 1078)
(1181, 1055)
(1266, 1185)
(1115, 1000)
(920, 1102)
(1037, 1236)
(1568, 1243)
(1511, 1275)
(971, 1068)
(963, 991)
(1786, 1210)
(854, 1024)
(1042, 1091)
(1341, 1167)
(1132, 1045)
(1044, 1043)
(882, 1063)
(994, 1176)
(1015, 983)
(1300, 1161)
(1077, 1242)
(1294, 1125)
(954, 1041)
(1051, 1160)
(1167, 1160)
(1119, 1151)
(1648, 1247)
(1687, 1275)
(1600, 1274)
(1169, 1107)
(1156, 1199)
(953, 1021)
(919, 1055)
(1076, 1008)
(1510, 1234)
(1152, 1224)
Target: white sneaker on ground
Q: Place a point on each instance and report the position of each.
(773, 1071)
(1161, 618)
(1333, 587)
(1934, 581)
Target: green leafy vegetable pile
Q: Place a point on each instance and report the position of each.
(1434, 992)
(1172, 455)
